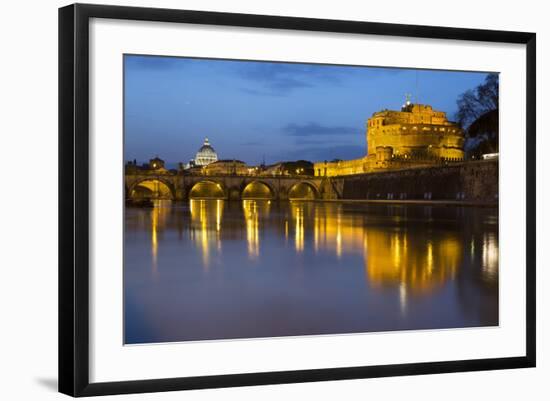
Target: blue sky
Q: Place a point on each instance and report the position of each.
(280, 111)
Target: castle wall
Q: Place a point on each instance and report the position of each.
(436, 141)
(342, 167)
(473, 181)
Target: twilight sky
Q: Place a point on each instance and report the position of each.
(280, 111)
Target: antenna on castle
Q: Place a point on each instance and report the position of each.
(407, 103)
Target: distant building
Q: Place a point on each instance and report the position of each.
(155, 166)
(227, 167)
(274, 169)
(205, 155)
(299, 167)
(189, 164)
(415, 136)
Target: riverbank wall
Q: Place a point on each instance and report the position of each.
(475, 181)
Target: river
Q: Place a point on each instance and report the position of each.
(213, 269)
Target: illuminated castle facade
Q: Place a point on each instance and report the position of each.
(417, 135)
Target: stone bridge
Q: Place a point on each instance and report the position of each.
(231, 187)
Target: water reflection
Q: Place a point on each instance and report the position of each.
(490, 254)
(297, 212)
(205, 228)
(252, 210)
(412, 262)
(158, 218)
(391, 257)
(322, 268)
(154, 239)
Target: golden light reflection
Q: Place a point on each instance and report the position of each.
(407, 261)
(412, 267)
(297, 211)
(154, 239)
(250, 209)
(339, 234)
(430, 257)
(333, 231)
(206, 224)
(392, 257)
(253, 211)
(396, 253)
(489, 254)
(316, 223)
(219, 206)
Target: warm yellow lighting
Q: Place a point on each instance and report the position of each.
(250, 208)
(298, 212)
(430, 258)
(204, 235)
(412, 267)
(219, 205)
(206, 225)
(339, 234)
(154, 239)
(489, 254)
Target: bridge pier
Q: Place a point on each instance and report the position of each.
(180, 195)
(234, 194)
(282, 195)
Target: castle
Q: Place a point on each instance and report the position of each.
(415, 136)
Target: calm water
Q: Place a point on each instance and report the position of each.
(208, 269)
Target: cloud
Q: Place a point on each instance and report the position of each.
(314, 129)
(274, 79)
(279, 79)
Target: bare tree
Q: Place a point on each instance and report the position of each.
(478, 116)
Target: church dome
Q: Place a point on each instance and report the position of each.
(206, 154)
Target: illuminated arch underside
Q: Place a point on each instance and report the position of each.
(257, 190)
(302, 190)
(207, 190)
(151, 189)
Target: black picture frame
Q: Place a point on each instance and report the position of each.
(74, 200)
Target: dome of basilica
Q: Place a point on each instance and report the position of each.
(206, 154)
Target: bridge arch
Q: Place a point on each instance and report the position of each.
(257, 190)
(151, 188)
(207, 189)
(303, 190)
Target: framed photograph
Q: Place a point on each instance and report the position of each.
(251, 199)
